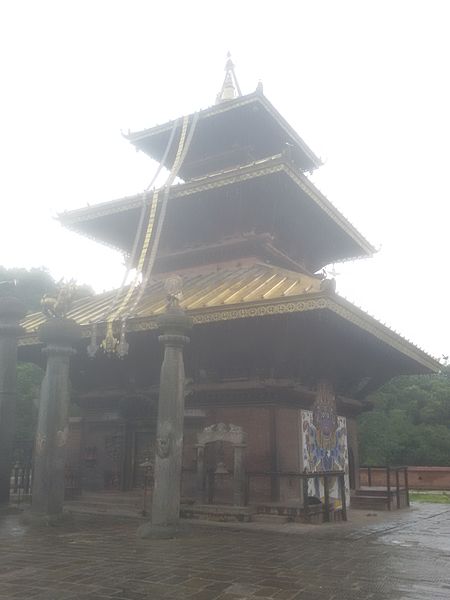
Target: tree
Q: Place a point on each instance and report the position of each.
(410, 423)
(32, 284)
(30, 287)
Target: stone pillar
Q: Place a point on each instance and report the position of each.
(11, 311)
(200, 474)
(238, 475)
(169, 435)
(59, 335)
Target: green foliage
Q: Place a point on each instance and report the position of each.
(442, 498)
(410, 423)
(31, 285)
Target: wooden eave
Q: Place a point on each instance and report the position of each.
(233, 294)
(77, 219)
(351, 313)
(141, 138)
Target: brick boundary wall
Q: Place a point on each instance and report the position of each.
(420, 478)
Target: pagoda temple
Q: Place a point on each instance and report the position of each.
(279, 365)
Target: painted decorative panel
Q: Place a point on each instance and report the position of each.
(324, 448)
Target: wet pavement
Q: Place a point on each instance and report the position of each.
(398, 556)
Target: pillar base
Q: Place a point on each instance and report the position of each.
(162, 532)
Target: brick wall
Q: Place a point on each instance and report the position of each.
(273, 444)
(420, 478)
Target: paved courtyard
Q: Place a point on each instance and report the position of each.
(404, 555)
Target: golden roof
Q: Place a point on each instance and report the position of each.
(202, 291)
(230, 293)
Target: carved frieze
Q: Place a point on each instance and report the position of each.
(222, 432)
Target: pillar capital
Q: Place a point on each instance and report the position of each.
(174, 341)
(174, 323)
(59, 333)
(57, 350)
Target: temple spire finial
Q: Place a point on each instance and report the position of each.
(230, 87)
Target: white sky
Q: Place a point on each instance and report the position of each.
(365, 83)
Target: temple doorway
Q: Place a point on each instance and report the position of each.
(220, 464)
(219, 472)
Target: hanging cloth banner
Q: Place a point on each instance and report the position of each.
(148, 233)
(140, 227)
(162, 215)
(139, 230)
(109, 344)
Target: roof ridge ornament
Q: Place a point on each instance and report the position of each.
(230, 86)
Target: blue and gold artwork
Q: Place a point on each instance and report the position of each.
(324, 447)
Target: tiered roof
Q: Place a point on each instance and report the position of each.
(228, 134)
(315, 231)
(246, 229)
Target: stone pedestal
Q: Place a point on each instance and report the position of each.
(59, 335)
(11, 311)
(169, 436)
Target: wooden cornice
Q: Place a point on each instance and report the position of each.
(217, 311)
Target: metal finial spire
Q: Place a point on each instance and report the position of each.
(230, 87)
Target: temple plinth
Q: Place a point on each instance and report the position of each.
(59, 335)
(11, 311)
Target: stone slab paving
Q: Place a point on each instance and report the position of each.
(405, 556)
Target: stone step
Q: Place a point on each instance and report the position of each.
(106, 505)
(274, 519)
(373, 492)
(116, 499)
(115, 494)
(110, 502)
(81, 508)
(285, 510)
(217, 512)
(370, 502)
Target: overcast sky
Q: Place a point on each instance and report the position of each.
(365, 83)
